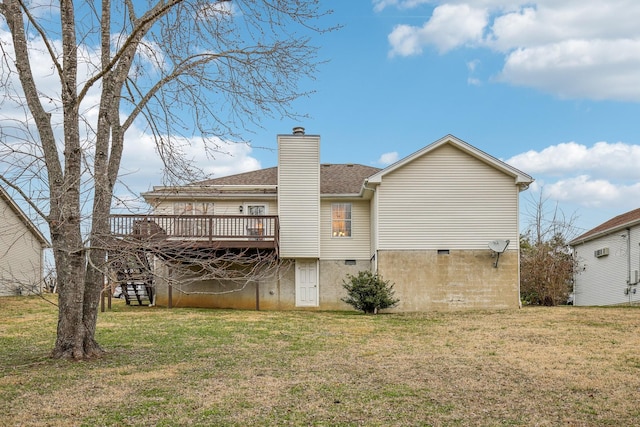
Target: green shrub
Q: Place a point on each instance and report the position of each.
(368, 292)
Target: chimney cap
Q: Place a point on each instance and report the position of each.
(298, 130)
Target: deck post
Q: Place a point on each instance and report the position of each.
(257, 295)
(169, 289)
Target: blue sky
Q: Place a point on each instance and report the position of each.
(551, 87)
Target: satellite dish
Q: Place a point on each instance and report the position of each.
(499, 245)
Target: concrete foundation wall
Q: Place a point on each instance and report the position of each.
(332, 273)
(272, 292)
(463, 279)
(275, 292)
(423, 281)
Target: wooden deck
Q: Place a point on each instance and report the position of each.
(204, 231)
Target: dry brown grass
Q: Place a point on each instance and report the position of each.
(563, 366)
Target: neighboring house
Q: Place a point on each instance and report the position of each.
(423, 223)
(609, 262)
(21, 250)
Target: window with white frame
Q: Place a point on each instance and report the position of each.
(341, 219)
(256, 209)
(255, 226)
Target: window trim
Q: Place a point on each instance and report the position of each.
(347, 222)
(247, 206)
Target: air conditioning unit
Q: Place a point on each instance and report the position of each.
(601, 252)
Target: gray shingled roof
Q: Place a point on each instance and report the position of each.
(334, 178)
(267, 176)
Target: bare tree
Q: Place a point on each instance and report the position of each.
(183, 67)
(547, 264)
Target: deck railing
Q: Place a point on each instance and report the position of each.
(196, 227)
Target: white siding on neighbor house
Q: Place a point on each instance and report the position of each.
(446, 199)
(603, 280)
(355, 247)
(299, 195)
(20, 254)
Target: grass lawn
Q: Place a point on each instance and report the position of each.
(563, 366)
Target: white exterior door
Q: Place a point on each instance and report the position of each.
(307, 294)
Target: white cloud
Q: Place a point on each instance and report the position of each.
(143, 167)
(603, 175)
(603, 159)
(573, 49)
(597, 69)
(592, 193)
(471, 66)
(450, 26)
(388, 158)
(380, 5)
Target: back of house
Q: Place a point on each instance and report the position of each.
(424, 224)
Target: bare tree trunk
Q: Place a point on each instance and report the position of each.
(154, 64)
(72, 331)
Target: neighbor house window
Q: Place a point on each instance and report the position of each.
(341, 219)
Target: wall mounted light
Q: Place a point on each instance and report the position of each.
(241, 208)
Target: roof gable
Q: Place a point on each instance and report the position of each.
(624, 220)
(23, 217)
(520, 177)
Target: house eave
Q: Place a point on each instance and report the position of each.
(211, 192)
(341, 196)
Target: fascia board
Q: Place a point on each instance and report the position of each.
(520, 177)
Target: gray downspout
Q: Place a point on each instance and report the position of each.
(373, 260)
(628, 256)
(629, 293)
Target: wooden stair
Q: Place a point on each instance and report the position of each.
(137, 293)
(133, 275)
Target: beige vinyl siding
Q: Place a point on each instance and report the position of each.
(20, 254)
(355, 247)
(447, 199)
(232, 207)
(164, 208)
(299, 196)
(222, 206)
